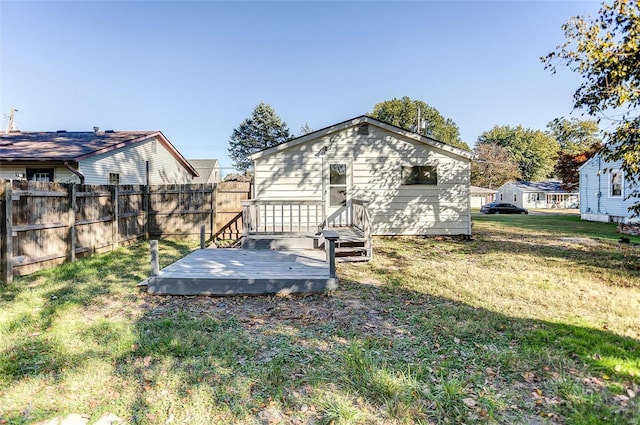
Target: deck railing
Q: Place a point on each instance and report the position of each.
(361, 220)
(282, 216)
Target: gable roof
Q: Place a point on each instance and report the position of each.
(362, 119)
(205, 168)
(549, 186)
(75, 146)
(478, 190)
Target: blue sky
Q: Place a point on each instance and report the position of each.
(195, 70)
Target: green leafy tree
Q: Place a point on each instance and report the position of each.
(493, 166)
(574, 136)
(533, 150)
(262, 130)
(403, 113)
(605, 51)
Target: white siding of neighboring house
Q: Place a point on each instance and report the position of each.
(506, 193)
(130, 163)
(375, 161)
(60, 173)
(596, 203)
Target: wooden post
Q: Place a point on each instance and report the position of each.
(71, 255)
(145, 204)
(212, 216)
(115, 233)
(331, 237)
(155, 259)
(202, 236)
(7, 235)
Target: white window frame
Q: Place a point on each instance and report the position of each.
(113, 173)
(613, 174)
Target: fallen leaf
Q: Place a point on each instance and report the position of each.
(469, 402)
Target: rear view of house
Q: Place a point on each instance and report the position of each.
(97, 157)
(604, 192)
(410, 184)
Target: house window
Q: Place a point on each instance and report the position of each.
(419, 174)
(616, 184)
(40, 174)
(114, 178)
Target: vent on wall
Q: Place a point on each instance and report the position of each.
(363, 129)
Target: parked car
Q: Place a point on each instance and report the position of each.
(502, 208)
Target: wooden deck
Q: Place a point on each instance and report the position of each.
(235, 271)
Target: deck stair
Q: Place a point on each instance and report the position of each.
(352, 245)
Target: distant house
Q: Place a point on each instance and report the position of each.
(547, 194)
(481, 196)
(209, 170)
(97, 157)
(603, 189)
(411, 184)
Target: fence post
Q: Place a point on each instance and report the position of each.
(7, 235)
(145, 204)
(72, 222)
(212, 216)
(115, 232)
(202, 239)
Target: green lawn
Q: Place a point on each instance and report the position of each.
(536, 320)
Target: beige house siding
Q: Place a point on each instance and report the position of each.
(13, 171)
(375, 162)
(130, 163)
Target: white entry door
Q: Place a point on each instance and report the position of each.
(337, 177)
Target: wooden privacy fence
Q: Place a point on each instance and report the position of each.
(44, 224)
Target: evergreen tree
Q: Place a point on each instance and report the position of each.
(262, 130)
(305, 129)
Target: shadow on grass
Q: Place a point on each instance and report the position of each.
(414, 361)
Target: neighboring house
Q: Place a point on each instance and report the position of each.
(603, 189)
(209, 170)
(413, 185)
(481, 196)
(98, 157)
(547, 194)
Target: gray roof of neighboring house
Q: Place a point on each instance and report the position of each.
(205, 168)
(477, 190)
(550, 186)
(75, 145)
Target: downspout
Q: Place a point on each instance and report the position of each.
(599, 195)
(74, 171)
